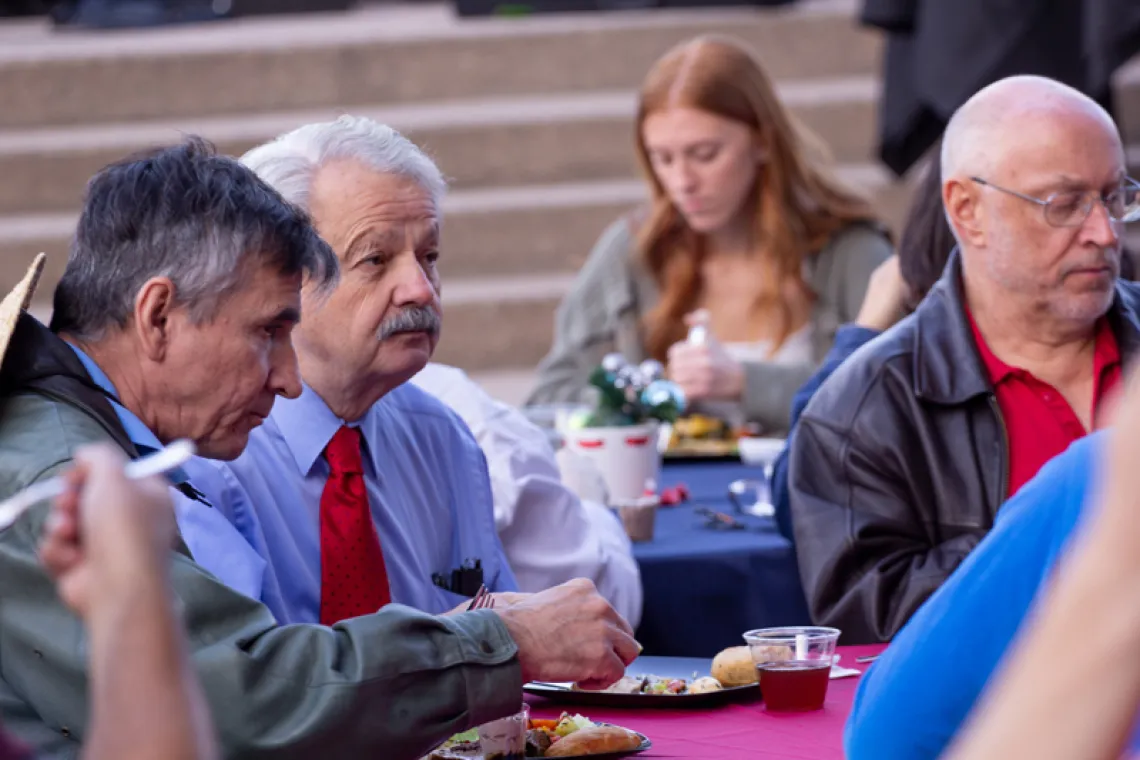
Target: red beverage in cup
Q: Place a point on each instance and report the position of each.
(794, 685)
(794, 664)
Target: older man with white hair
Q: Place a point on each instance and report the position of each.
(366, 489)
(905, 455)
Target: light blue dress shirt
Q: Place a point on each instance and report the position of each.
(211, 539)
(427, 485)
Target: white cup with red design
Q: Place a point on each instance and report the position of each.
(630, 464)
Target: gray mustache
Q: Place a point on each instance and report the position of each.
(411, 319)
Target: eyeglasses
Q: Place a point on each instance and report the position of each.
(1070, 208)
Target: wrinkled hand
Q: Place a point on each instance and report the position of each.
(705, 370)
(106, 533)
(571, 633)
(885, 300)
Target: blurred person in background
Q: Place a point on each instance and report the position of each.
(748, 228)
(925, 77)
(897, 286)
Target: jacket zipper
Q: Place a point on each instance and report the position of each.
(1003, 480)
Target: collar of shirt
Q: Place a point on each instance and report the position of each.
(213, 542)
(1106, 352)
(137, 431)
(307, 425)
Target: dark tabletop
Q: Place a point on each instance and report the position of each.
(706, 587)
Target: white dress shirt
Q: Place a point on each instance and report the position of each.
(550, 535)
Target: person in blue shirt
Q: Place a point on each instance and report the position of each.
(415, 522)
(912, 701)
(1067, 688)
(896, 287)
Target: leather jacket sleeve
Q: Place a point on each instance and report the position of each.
(867, 558)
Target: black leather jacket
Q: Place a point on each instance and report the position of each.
(900, 464)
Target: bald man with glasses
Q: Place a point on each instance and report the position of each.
(905, 455)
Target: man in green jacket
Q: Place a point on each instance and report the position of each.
(198, 267)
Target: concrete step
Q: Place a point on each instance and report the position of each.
(565, 137)
(525, 140)
(388, 55)
(528, 229)
(490, 232)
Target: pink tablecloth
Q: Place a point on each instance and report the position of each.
(739, 731)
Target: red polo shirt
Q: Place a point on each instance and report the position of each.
(1039, 423)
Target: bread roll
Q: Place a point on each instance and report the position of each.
(734, 667)
(595, 740)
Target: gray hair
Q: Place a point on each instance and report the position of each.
(289, 162)
(203, 220)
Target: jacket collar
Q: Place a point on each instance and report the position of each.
(947, 366)
(38, 360)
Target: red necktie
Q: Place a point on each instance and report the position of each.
(354, 580)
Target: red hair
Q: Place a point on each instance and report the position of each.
(798, 203)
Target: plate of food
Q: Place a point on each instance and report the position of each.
(698, 436)
(569, 736)
(667, 682)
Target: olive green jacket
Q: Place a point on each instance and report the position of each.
(603, 312)
(389, 685)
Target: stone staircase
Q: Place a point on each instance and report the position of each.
(529, 118)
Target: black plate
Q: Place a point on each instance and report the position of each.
(665, 667)
(642, 701)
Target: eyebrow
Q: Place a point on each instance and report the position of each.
(363, 244)
(1066, 183)
(697, 145)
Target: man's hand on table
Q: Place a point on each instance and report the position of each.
(570, 633)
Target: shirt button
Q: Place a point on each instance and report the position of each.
(65, 731)
(486, 647)
(1047, 396)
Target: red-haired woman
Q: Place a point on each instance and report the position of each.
(748, 227)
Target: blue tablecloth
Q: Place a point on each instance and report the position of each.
(705, 587)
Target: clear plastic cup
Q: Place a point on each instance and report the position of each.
(505, 738)
(793, 664)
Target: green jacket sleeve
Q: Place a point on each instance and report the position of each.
(584, 327)
(391, 685)
(843, 274)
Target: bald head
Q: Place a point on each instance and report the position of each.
(1013, 117)
(1024, 162)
